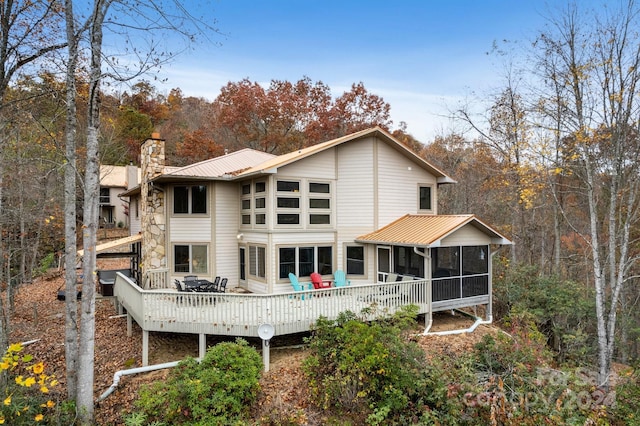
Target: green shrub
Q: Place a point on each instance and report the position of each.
(370, 372)
(217, 391)
(627, 408)
(45, 264)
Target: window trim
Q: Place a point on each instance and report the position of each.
(297, 262)
(190, 200)
(431, 197)
(190, 264)
(288, 211)
(259, 260)
(364, 259)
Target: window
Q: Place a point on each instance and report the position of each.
(259, 203)
(257, 261)
(355, 260)
(425, 198)
(190, 199)
(190, 258)
(243, 264)
(302, 261)
(104, 196)
(288, 206)
(319, 203)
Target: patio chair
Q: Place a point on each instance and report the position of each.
(178, 285)
(340, 279)
(318, 283)
(223, 286)
(392, 277)
(296, 284)
(210, 287)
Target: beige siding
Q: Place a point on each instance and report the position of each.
(355, 186)
(398, 181)
(467, 235)
(190, 229)
(134, 224)
(319, 166)
(225, 260)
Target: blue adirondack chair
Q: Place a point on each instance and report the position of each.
(297, 286)
(340, 279)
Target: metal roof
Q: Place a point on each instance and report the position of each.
(228, 164)
(427, 230)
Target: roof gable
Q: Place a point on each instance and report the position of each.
(271, 165)
(427, 230)
(228, 164)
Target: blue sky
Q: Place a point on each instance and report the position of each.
(423, 57)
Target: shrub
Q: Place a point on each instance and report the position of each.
(28, 397)
(217, 391)
(371, 370)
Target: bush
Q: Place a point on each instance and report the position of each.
(28, 397)
(217, 391)
(370, 371)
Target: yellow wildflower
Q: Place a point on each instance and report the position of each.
(44, 389)
(4, 365)
(20, 380)
(1, 420)
(16, 347)
(7, 401)
(53, 383)
(38, 368)
(39, 418)
(29, 382)
(49, 404)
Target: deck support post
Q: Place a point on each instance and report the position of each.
(129, 325)
(202, 345)
(145, 348)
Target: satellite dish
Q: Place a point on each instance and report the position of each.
(265, 331)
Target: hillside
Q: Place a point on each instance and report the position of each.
(39, 315)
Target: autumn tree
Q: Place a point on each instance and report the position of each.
(196, 146)
(590, 71)
(288, 116)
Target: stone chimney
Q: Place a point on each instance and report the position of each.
(152, 220)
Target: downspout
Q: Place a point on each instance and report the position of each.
(119, 374)
(427, 255)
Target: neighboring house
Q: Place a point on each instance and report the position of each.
(113, 181)
(363, 203)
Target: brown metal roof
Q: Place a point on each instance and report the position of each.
(228, 164)
(427, 230)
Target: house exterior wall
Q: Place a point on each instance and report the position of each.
(468, 236)
(134, 215)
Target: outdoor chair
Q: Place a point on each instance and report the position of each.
(318, 283)
(340, 279)
(296, 284)
(178, 285)
(392, 277)
(223, 285)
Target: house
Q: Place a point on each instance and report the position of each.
(114, 180)
(363, 203)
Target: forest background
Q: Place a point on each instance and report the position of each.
(553, 162)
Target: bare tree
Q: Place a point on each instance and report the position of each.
(591, 68)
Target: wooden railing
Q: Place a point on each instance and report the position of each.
(157, 279)
(241, 314)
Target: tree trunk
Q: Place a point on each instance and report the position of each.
(70, 258)
(92, 192)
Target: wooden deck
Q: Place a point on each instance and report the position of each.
(167, 310)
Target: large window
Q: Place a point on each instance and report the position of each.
(355, 260)
(425, 198)
(253, 195)
(190, 258)
(190, 199)
(302, 261)
(257, 261)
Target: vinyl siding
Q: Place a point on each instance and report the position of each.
(468, 236)
(397, 181)
(190, 229)
(225, 260)
(355, 186)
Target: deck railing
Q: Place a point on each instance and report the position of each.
(241, 314)
(157, 279)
